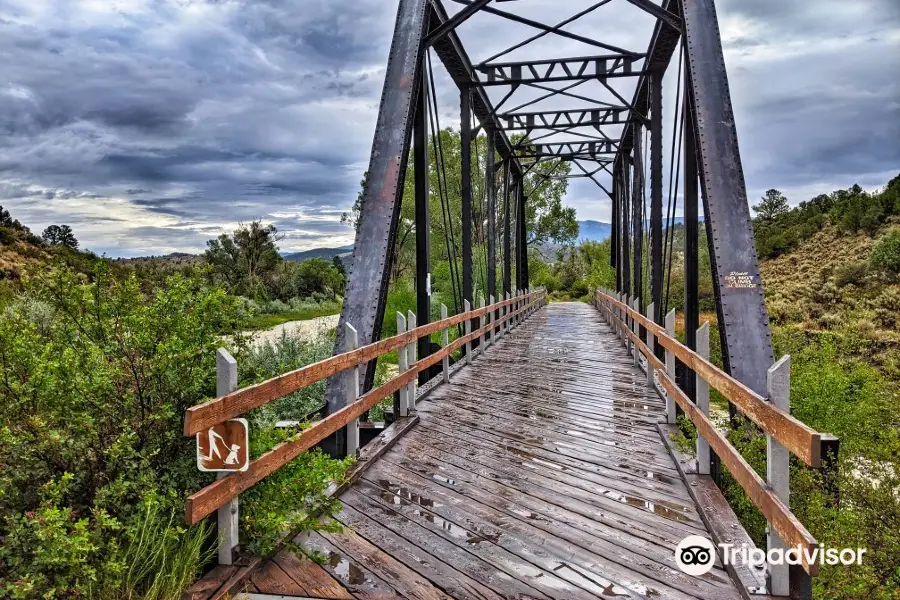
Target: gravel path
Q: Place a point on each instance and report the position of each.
(304, 329)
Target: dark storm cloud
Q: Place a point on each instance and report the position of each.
(153, 125)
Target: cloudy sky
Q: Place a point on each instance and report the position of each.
(152, 125)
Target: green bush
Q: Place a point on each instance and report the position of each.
(94, 468)
(886, 253)
(851, 273)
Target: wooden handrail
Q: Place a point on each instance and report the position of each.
(203, 416)
(777, 513)
(205, 501)
(796, 436)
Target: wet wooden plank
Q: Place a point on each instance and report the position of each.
(594, 565)
(310, 576)
(272, 579)
(443, 574)
(210, 583)
(406, 582)
(613, 475)
(675, 519)
(354, 575)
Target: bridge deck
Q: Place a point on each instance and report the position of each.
(538, 473)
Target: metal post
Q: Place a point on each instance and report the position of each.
(445, 341)
(637, 212)
(656, 184)
(352, 338)
(703, 459)
(627, 322)
(691, 242)
(227, 515)
(366, 291)
(402, 366)
(670, 368)
(625, 214)
(491, 181)
(507, 242)
(468, 329)
(423, 224)
(466, 157)
(651, 345)
(778, 471)
(522, 238)
(411, 360)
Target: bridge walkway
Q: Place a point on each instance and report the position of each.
(537, 473)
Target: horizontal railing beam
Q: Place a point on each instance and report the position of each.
(203, 416)
(799, 438)
(207, 500)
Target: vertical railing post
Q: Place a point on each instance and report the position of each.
(626, 324)
(352, 339)
(670, 368)
(411, 360)
(618, 314)
(702, 390)
(481, 345)
(778, 383)
(402, 366)
(506, 311)
(651, 346)
(635, 306)
(445, 341)
(490, 318)
(227, 515)
(468, 329)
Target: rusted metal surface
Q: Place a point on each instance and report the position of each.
(536, 473)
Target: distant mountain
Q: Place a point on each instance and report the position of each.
(598, 232)
(594, 230)
(326, 253)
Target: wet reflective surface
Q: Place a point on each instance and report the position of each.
(537, 473)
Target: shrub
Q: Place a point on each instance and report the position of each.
(885, 255)
(93, 466)
(851, 273)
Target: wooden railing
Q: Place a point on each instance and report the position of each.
(497, 318)
(784, 433)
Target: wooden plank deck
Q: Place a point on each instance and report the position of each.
(537, 473)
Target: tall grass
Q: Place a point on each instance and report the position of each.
(160, 557)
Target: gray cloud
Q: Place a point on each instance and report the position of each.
(152, 125)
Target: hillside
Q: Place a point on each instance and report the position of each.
(593, 230)
(826, 285)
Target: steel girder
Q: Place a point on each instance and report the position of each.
(595, 118)
(743, 320)
(367, 282)
(560, 69)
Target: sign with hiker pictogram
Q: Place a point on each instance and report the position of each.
(224, 447)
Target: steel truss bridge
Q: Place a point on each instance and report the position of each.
(540, 465)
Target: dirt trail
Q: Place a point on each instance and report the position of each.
(305, 329)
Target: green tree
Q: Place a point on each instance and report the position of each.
(547, 219)
(772, 205)
(318, 276)
(886, 253)
(60, 235)
(6, 220)
(245, 261)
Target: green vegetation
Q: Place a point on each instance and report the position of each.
(97, 367)
(269, 314)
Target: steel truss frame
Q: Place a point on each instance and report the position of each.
(713, 169)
